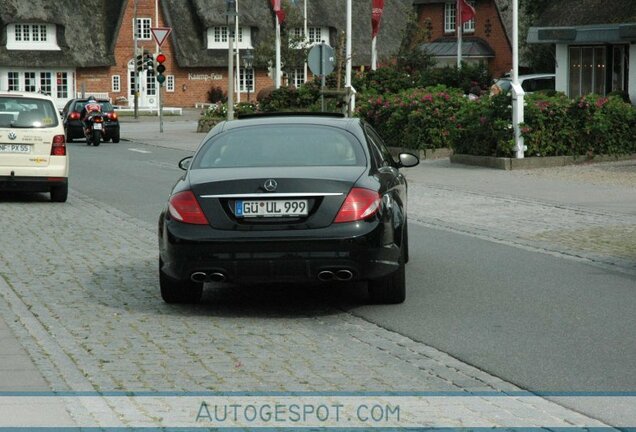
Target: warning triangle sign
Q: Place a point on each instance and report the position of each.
(160, 34)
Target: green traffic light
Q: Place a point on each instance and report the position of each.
(161, 79)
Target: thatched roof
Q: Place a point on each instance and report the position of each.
(86, 31)
(587, 12)
(190, 20)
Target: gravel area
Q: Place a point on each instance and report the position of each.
(620, 173)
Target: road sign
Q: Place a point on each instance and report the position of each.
(321, 59)
(160, 34)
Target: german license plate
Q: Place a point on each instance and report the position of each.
(97, 126)
(15, 148)
(271, 208)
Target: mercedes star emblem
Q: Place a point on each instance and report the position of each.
(270, 185)
(12, 135)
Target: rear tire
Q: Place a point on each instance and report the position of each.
(97, 137)
(405, 242)
(390, 289)
(179, 291)
(59, 193)
(116, 139)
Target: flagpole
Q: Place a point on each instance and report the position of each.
(374, 53)
(306, 35)
(460, 25)
(278, 71)
(238, 59)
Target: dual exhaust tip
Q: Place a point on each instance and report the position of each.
(201, 277)
(339, 275)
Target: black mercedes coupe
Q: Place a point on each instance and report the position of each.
(298, 198)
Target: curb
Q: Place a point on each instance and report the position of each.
(533, 162)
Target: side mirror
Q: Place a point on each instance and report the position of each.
(408, 160)
(184, 163)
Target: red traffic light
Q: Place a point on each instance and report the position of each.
(161, 58)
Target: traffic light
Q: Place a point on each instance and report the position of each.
(149, 61)
(140, 63)
(161, 58)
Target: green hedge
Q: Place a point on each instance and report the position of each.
(554, 124)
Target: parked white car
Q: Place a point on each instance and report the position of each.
(33, 153)
(529, 83)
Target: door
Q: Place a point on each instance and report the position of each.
(147, 87)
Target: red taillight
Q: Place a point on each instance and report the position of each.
(59, 146)
(74, 115)
(112, 116)
(185, 208)
(359, 204)
(98, 119)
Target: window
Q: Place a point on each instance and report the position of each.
(587, 71)
(142, 28)
(31, 37)
(45, 83)
(246, 80)
(450, 14)
(619, 66)
(314, 34)
(62, 85)
(14, 81)
(297, 77)
(30, 83)
(217, 37)
(133, 82)
(116, 83)
(170, 83)
(151, 83)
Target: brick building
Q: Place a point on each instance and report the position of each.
(68, 47)
(486, 38)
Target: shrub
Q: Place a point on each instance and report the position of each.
(216, 94)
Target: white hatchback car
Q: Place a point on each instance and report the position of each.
(33, 154)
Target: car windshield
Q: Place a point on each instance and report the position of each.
(281, 146)
(24, 112)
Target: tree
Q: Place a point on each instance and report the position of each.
(539, 57)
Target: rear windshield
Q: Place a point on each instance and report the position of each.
(106, 106)
(24, 112)
(281, 146)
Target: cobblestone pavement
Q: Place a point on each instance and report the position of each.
(79, 288)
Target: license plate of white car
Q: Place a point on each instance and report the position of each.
(97, 126)
(15, 148)
(271, 208)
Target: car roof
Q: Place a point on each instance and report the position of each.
(26, 94)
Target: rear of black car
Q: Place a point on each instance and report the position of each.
(289, 201)
(73, 124)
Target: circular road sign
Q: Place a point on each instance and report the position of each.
(321, 59)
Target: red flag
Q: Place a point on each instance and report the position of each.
(280, 13)
(467, 12)
(376, 16)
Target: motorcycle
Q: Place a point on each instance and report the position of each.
(94, 128)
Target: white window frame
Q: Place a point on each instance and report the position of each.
(297, 78)
(450, 17)
(32, 36)
(218, 37)
(170, 83)
(141, 28)
(315, 35)
(245, 76)
(115, 83)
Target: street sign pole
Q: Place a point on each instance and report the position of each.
(160, 34)
(321, 60)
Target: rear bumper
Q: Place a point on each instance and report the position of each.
(30, 184)
(363, 249)
(76, 130)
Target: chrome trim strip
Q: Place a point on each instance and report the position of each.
(275, 195)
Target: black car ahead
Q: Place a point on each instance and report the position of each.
(287, 198)
(71, 116)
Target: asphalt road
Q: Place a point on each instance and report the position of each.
(542, 322)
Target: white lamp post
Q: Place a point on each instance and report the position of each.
(230, 12)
